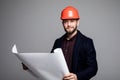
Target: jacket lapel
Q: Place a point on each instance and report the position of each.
(77, 45)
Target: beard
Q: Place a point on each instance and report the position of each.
(69, 32)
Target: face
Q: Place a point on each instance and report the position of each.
(70, 26)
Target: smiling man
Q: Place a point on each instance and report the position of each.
(78, 50)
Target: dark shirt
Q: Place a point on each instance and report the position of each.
(67, 47)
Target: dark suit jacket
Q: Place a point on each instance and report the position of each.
(84, 63)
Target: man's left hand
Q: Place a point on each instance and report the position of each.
(70, 76)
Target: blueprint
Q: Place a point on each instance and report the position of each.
(45, 66)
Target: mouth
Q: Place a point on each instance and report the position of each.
(69, 28)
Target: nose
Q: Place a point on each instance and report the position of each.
(69, 23)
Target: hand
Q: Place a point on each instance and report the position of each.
(70, 76)
(24, 67)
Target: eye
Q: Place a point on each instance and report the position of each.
(65, 21)
(72, 20)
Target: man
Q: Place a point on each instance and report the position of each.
(78, 50)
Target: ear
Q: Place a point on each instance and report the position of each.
(78, 22)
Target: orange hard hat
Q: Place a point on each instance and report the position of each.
(70, 13)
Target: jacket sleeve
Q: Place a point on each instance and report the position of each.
(55, 45)
(91, 62)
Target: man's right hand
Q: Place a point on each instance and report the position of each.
(24, 67)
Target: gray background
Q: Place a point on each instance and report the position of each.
(33, 25)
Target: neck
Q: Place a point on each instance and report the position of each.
(69, 36)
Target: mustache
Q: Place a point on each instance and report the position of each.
(69, 27)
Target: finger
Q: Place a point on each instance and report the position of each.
(69, 77)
